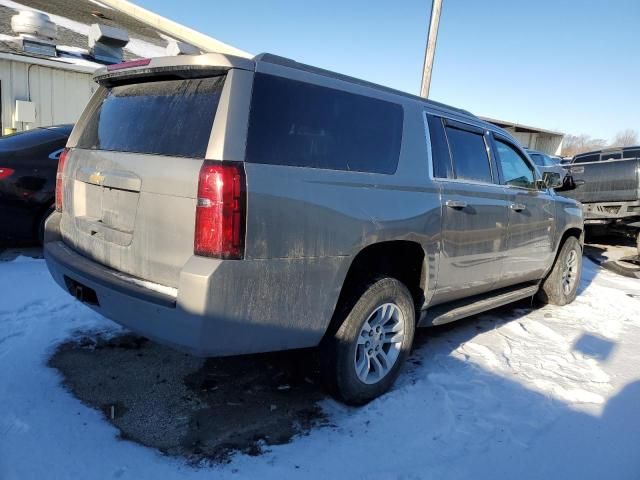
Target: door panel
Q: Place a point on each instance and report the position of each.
(531, 216)
(474, 233)
(530, 248)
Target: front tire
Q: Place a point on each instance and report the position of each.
(362, 359)
(561, 285)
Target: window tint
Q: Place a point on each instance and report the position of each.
(515, 169)
(172, 117)
(632, 153)
(612, 156)
(442, 167)
(594, 157)
(299, 124)
(469, 152)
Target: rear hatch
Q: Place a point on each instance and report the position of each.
(131, 178)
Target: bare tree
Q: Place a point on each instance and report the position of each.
(626, 138)
(575, 144)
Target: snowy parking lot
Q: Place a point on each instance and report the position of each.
(523, 392)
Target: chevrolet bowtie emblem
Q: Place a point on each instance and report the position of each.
(96, 178)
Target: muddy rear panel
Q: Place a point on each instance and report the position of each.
(130, 183)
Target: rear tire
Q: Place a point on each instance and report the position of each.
(561, 285)
(362, 358)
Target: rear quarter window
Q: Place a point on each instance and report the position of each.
(171, 117)
(300, 124)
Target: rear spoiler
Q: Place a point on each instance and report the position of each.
(182, 66)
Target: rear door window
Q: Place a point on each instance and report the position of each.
(172, 117)
(300, 124)
(469, 154)
(635, 153)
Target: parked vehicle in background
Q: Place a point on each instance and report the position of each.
(28, 163)
(228, 206)
(610, 194)
(546, 163)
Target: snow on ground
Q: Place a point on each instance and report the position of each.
(517, 393)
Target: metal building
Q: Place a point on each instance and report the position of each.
(49, 50)
(547, 141)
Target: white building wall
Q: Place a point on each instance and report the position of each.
(59, 95)
(544, 142)
(551, 144)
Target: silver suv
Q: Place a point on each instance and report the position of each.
(229, 206)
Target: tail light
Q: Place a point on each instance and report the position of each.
(141, 62)
(61, 161)
(220, 210)
(5, 172)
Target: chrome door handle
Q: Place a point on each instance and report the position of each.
(456, 204)
(517, 207)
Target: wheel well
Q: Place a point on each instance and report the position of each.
(572, 232)
(400, 259)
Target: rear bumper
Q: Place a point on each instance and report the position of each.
(221, 307)
(598, 213)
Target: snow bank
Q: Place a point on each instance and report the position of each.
(517, 393)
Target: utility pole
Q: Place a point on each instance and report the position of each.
(430, 52)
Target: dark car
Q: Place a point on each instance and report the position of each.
(28, 164)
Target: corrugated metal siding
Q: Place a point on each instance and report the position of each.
(544, 142)
(549, 144)
(59, 95)
(524, 138)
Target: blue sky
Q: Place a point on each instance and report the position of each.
(554, 64)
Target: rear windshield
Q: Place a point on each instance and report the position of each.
(171, 117)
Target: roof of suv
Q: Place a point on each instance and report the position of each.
(209, 60)
(287, 62)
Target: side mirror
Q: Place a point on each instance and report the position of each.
(568, 183)
(552, 180)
